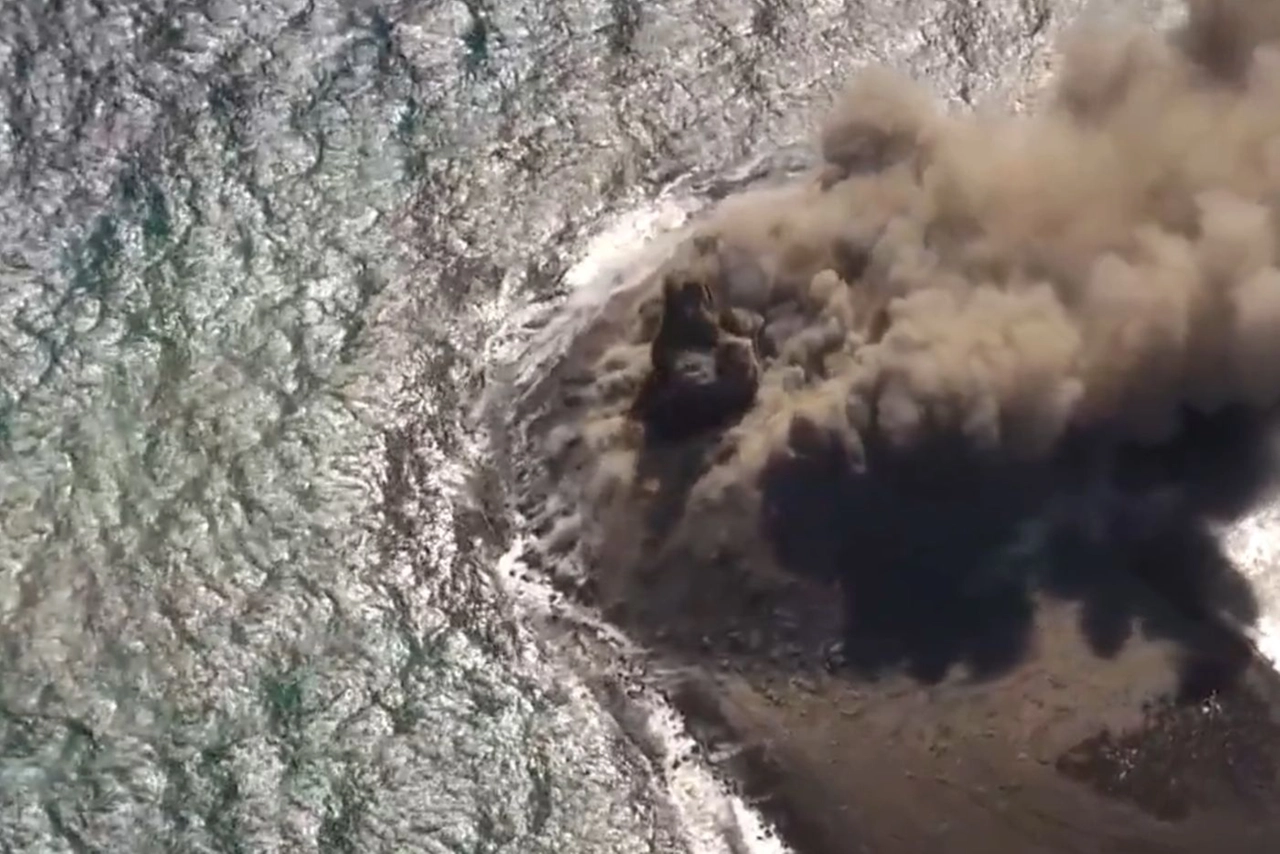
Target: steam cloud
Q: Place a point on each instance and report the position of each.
(1101, 263)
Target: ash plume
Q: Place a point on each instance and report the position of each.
(950, 281)
(1105, 261)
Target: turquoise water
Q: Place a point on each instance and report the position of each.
(239, 604)
(252, 255)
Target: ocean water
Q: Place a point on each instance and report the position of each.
(257, 263)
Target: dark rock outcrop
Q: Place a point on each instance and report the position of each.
(704, 371)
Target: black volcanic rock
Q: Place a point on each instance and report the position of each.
(702, 374)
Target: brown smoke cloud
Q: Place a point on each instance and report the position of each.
(1101, 263)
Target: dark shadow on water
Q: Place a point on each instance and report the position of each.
(941, 553)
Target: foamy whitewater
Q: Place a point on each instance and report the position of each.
(1253, 545)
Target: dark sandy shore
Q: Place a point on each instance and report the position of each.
(1064, 752)
(1074, 694)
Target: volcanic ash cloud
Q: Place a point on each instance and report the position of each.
(1100, 264)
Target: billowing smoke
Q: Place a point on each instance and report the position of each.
(1102, 263)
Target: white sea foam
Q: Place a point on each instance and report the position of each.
(709, 816)
(1252, 545)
